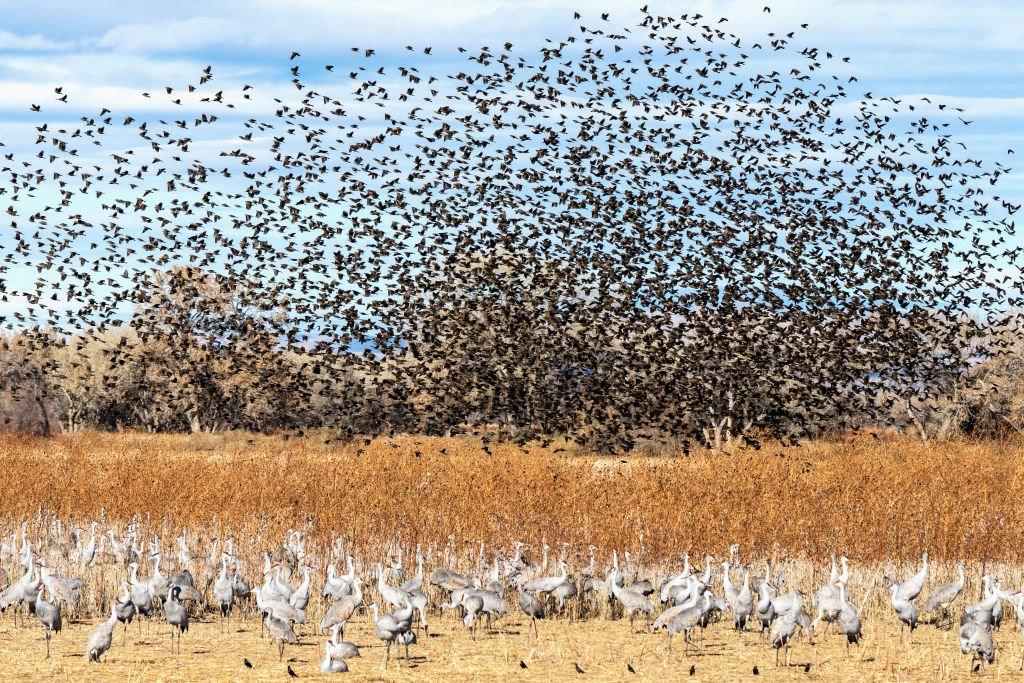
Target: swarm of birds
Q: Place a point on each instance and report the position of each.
(659, 225)
(481, 590)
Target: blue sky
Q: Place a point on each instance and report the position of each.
(110, 52)
(106, 53)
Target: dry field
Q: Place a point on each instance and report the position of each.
(881, 502)
(873, 500)
(602, 648)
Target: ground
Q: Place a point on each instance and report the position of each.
(602, 648)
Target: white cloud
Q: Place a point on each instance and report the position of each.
(36, 42)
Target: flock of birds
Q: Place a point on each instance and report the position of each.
(707, 228)
(678, 602)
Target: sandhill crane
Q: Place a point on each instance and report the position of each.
(493, 603)
(88, 554)
(158, 584)
(686, 620)
(826, 599)
(566, 590)
(905, 610)
(336, 585)
(416, 582)
(912, 587)
(123, 608)
(279, 629)
(223, 591)
(473, 605)
(662, 619)
(727, 588)
(336, 652)
(185, 556)
(300, 597)
(61, 588)
(785, 625)
(102, 636)
(982, 612)
(674, 580)
(389, 628)
(329, 664)
(395, 596)
(188, 591)
(343, 608)
(943, 596)
(546, 584)
(21, 592)
(49, 613)
(342, 649)
(176, 615)
(849, 621)
(280, 586)
(631, 601)
(139, 593)
(743, 604)
(531, 607)
(239, 586)
(976, 640)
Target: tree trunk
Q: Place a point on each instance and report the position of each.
(917, 422)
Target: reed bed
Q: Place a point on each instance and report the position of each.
(874, 500)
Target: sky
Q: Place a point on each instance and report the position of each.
(103, 53)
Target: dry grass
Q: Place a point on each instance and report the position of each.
(601, 647)
(879, 502)
(873, 500)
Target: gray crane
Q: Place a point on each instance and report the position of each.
(102, 636)
(279, 630)
(785, 625)
(943, 596)
(473, 605)
(175, 614)
(21, 592)
(300, 596)
(631, 601)
(124, 610)
(976, 640)
(849, 621)
(905, 610)
(390, 629)
(742, 604)
(686, 620)
(224, 592)
(342, 609)
(48, 613)
(912, 587)
(531, 607)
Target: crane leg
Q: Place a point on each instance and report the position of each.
(47, 643)
(280, 650)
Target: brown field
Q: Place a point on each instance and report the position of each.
(873, 500)
(881, 502)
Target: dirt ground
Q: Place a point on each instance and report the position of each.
(602, 649)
